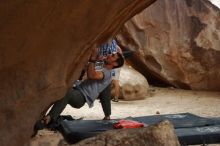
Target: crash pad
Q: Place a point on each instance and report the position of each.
(190, 128)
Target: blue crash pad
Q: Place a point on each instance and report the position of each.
(190, 129)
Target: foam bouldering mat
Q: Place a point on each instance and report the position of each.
(77, 130)
(190, 129)
(199, 135)
(183, 120)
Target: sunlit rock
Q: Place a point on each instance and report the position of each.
(133, 85)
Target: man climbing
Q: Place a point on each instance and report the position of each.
(110, 47)
(89, 89)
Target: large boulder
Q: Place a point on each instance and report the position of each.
(177, 41)
(44, 45)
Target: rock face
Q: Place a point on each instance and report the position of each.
(43, 47)
(133, 85)
(161, 134)
(177, 41)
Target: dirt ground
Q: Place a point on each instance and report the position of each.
(160, 100)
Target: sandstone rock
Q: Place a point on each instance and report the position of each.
(161, 134)
(177, 42)
(44, 45)
(133, 85)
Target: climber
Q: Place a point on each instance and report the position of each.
(89, 89)
(110, 47)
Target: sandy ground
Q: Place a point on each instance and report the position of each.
(161, 100)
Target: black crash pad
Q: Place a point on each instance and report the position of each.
(199, 135)
(190, 129)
